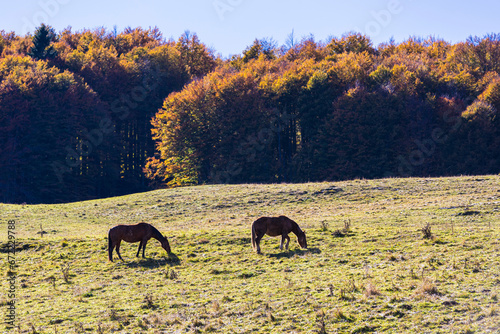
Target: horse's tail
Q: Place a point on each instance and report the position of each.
(254, 235)
(110, 247)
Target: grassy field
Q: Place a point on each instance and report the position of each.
(369, 266)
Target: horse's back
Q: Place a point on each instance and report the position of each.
(129, 233)
(261, 223)
(115, 230)
(272, 226)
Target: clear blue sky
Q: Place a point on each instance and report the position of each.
(228, 26)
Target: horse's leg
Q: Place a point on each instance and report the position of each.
(110, 249)
(144, 248)
(287, 241)
(139, 249)
(254, 235)
(283, 238)
(257, 241)
(118, 250)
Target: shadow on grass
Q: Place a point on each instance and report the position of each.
(171, 260)
(291, 253)
(16, 246)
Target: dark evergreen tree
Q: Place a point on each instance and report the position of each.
(264, 46)
(42, 40)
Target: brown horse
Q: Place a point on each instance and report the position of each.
(141, 232)
(276, 226)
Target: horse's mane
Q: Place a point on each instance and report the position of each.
(296, 226)
(156, 234)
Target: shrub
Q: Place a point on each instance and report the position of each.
(371, 290)
(426, 230)
(428, 287)
(65, 271)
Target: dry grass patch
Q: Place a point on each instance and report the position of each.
(427, 288)
(371, 290)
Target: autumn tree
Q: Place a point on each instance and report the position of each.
(207, 132)
(197, 59)
(351, 42)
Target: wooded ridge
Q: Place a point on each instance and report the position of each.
(94, 113)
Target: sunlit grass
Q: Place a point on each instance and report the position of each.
(377, 274)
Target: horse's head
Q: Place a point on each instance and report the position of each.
(301, 238)
(166, 245)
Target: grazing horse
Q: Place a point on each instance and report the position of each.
(276, 226)
(141, 232)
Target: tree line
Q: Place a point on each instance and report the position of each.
(312, 111)
(95, 113)
(76, 107)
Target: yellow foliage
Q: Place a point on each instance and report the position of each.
(492, 92)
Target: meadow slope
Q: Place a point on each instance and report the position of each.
(368, 268)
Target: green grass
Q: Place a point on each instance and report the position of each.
(378, 275)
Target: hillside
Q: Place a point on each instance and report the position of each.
(368, 267)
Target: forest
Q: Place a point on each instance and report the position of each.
(98, 113)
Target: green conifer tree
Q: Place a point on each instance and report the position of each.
(42, 39)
